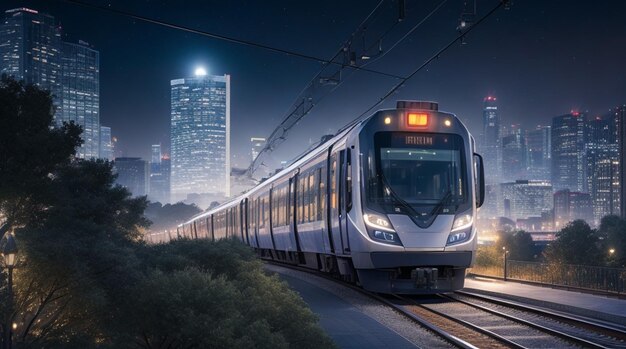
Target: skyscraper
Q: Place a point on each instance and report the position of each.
(30, 49)
(200, 135)
(568, 152)
(602, 165)
(159, 180)
(80, 101)
(619, 113)
(491, 142)
(514, 155)
(132, 173)
(538, 150)
(569, 206)
(106, 145)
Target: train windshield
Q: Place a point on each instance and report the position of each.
(419, 174)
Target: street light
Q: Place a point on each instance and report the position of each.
(504, 252)
(611, 251)
(9, 252)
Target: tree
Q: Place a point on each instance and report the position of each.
(519, 244)
(78, 257)
(218, 296)
(613, 233)
(169, 216)
(576, 243)
(30, 151)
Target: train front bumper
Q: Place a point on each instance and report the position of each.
(415, 272)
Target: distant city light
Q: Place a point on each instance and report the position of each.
(200, 71)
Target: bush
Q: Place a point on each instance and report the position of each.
(216, 295)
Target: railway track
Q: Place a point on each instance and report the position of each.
(599, 333)
(515, 325)
(469, 320)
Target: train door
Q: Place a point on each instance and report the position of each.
(257, 221)
(336, 227)
(244, 220)
(346, 195)
(345, 198)
(291, 207)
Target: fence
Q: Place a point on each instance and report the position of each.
(610, 280)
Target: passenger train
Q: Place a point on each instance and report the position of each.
(388, 203)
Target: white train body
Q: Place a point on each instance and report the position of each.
(389, 203)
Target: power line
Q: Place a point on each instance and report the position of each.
(426, 63)
(308, 98)
(415, 27)
(304, 103)
(223, 37)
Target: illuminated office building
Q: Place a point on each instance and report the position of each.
(200, 135)
(568, 152)
(80, 100)
(106, 144)
(30, 49)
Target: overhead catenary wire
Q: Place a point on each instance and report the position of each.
(425, 64)
(222, 37)
(331, 60)
(305, 101)
(430, 14)
(278, 135)
(413, 29)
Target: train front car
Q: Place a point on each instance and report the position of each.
(420, 185)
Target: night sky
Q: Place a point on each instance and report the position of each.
(540, 58)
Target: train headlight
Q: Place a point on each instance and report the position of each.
(462, 221)
(379, 228)
(461, 229)
(377, 221)
(455, 238)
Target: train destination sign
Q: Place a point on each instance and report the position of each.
(418, 140)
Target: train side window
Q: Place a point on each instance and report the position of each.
(313, 197)
(261, 212)
(283, 207)
(267, 208)
(333, 183)
(307, 198)
(322, 193)
(300, 199)
(272, 212)
(290, 200)
(275, 208)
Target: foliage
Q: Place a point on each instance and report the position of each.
(167, 217)
(88, 282)
(612, 230)
(219, 297)
(30, 151)
(519, 245)
(577, 244)
(77, 257)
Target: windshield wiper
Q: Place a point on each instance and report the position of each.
(444, 200)
(396, 198)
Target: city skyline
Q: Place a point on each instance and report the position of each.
(508, 57)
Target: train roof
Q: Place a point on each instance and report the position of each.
(315, 152)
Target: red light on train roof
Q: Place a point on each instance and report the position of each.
(417, 119)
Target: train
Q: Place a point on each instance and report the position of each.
(389, 203)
